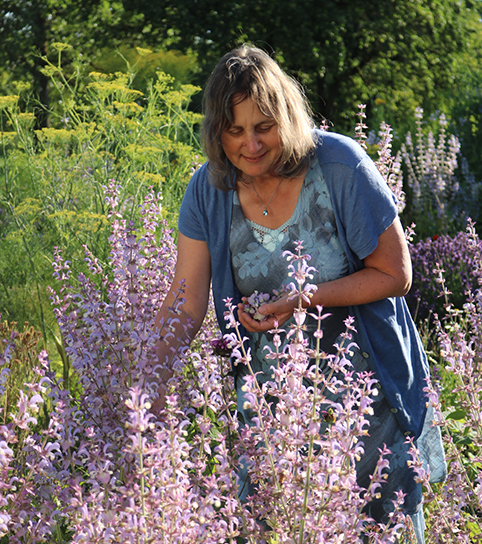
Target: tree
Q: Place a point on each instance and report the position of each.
(29, 27)
(400, 54)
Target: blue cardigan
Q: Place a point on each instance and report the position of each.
(364, 208)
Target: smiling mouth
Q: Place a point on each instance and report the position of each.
(254, 159)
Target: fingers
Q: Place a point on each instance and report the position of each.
(282, 309)
(252, 325)
(276, 315)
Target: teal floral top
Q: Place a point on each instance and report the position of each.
(257, 251)
(258, 263)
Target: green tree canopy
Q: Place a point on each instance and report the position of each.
(402, 54)
(391, 55)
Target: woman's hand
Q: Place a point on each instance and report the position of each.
(277, 313)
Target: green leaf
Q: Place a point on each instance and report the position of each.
(474, 528)
(457, 414)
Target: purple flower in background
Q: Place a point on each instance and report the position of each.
(221, 347)
(455, 255)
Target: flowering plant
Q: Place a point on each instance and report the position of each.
(456, 402)
(102, 467)
(442, 192)
(455, 255)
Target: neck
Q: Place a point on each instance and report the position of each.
(265, 205)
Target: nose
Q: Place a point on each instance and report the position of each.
(252, 142)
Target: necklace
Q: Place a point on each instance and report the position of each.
(265, 210)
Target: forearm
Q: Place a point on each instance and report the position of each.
(366, 285)
(387, 273)
(183, 309)
(177, 324)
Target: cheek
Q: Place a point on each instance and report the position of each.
(228, 145)
(275, 140)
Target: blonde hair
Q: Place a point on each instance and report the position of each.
(248, 72)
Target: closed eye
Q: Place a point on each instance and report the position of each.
(235, 131)
(265, 128)
(262, 128)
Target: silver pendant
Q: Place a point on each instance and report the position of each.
(265, 212)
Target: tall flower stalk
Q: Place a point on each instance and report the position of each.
(432, 180)
(301, 447)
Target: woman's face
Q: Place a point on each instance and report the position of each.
(252, 142)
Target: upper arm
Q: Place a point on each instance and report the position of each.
(193, 267)
(391, 256)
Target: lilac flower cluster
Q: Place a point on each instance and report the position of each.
(388, 166)
(431, 165)
(105, 468)
(442, 196)
(455, 255)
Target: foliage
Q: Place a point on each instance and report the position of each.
(97, 32)
(144, 64)
(17, 362)
(51, 190)
(393, 56)
(465, 113)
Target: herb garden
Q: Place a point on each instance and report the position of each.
(88, 210)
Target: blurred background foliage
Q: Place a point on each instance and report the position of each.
(51, 178)
(393, 56)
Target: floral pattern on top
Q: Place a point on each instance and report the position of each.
(261, 267)
(270, 238)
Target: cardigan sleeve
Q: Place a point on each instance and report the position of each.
(364, 204)
(192, 222)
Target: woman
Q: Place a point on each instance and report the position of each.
(272, 180)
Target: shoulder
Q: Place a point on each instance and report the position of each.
(200, 190)
(201, 177)
(357, 189)
(338, 149)
(202, 182)
(344, 162)
(203, 204)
